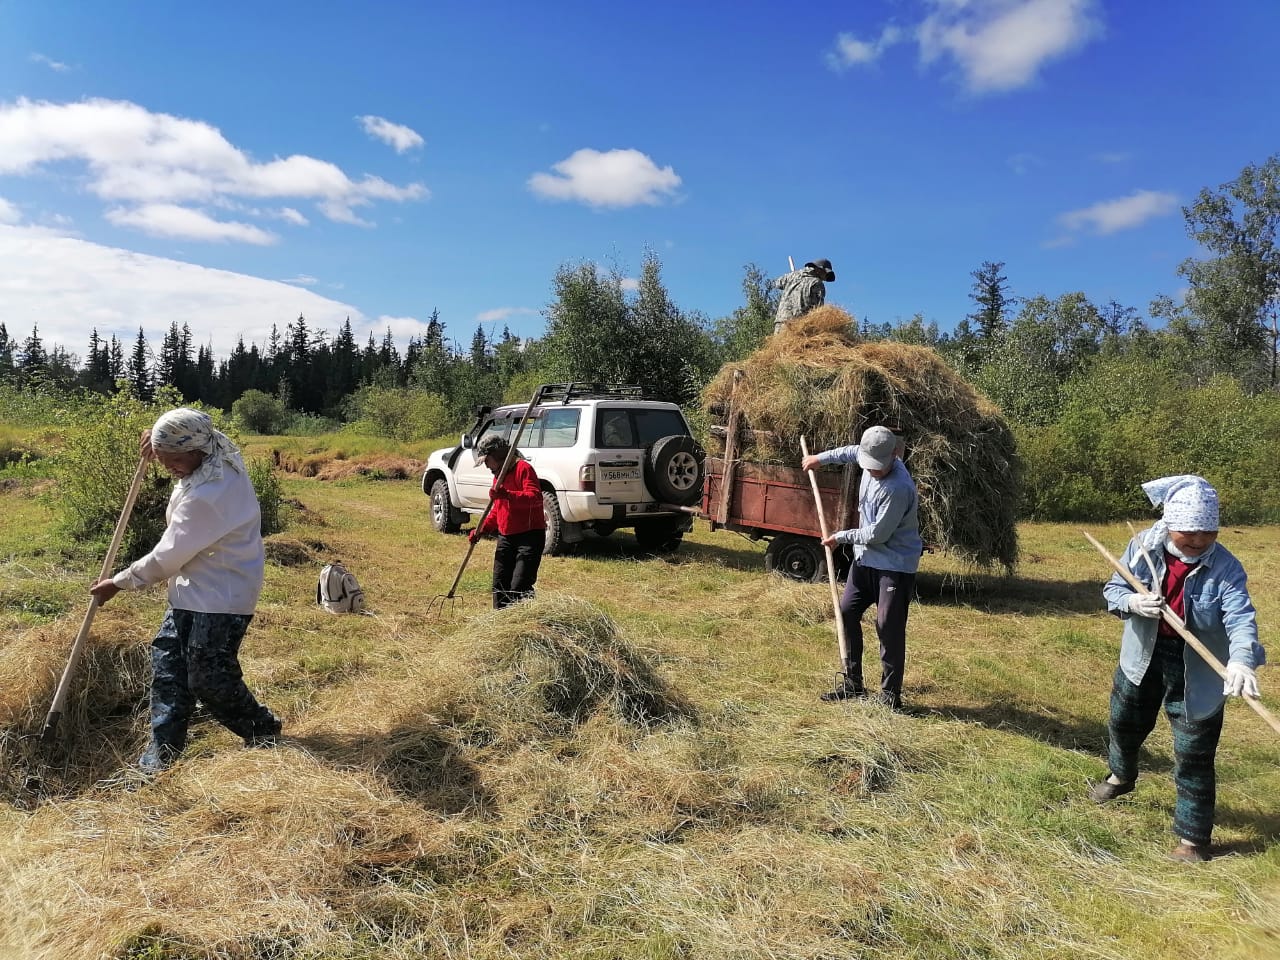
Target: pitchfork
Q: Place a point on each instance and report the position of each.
(445, 607)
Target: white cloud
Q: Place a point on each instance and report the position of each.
(630, 284)
(8, 212)
(134, 156)
(49, 62)
(1124, 213)
(1024, 163)
(1113, 157)
(395, 135)
(171, 220)
(1001, 45)
(613, 178)
(292, 216)
(850, 51)
(302, 280)
(504, 313)
(69, 286)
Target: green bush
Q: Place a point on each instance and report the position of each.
(94, 469)
(398, 413)
(260, 412)
(266, 484)
(1127, 421)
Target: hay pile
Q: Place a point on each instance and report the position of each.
(105, 710)
(817, 379)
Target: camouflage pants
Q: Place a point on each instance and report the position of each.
(1134, 711)
(194, 657)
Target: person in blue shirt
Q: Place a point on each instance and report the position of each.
(887, 549)
(1199, 580)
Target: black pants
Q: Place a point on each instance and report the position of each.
(515, 566)
(890, 591)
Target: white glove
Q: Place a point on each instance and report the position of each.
(1240, 680)
(1145, 604)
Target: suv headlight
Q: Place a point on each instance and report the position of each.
(587, 477)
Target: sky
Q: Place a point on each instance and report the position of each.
(234, 165)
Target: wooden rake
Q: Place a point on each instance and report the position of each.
(831, 568)
(446, 606)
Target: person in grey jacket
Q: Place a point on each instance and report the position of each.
(211, 554)
(887, 549)
(802, 290)
(1203, 583)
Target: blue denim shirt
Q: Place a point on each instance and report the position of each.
(888, 533)
(1217, 609)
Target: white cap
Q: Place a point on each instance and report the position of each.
(877, 449)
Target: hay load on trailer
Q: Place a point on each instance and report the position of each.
(818, 379)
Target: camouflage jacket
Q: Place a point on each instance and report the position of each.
(801, 292)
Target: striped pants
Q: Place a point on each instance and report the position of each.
(1134, 710)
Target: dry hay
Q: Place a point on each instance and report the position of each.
(335, 465)
(222, 857)
(103, 709)
(287, 551)
(372, 468)
(817, 379)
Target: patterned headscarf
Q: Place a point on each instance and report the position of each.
(1190, 504)
(184, 430)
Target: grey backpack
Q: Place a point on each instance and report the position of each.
(338, 591)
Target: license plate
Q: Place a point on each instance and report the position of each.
(614, 476)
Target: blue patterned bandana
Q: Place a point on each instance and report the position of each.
(1190, 506)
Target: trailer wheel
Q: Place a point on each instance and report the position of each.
(798, 558)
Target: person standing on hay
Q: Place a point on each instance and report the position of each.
(802, 291)
(518, 521)
(1204, 584)
(211, 554)
(887, 549)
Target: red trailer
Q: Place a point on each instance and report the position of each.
(775, 503)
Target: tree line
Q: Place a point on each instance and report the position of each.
(1097, 393)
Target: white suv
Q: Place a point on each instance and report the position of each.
(606, 457)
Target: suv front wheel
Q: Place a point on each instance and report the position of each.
(442, 509)
(673, 470)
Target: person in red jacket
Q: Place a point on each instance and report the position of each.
(516, 517)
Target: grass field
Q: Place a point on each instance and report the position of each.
(635, 765)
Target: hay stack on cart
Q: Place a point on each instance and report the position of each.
(818, 379)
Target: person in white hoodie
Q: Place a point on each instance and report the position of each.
(212, 557)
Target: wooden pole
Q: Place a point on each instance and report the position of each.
(1176, 622)
(77, 648)
(831, 564)
(730, 452)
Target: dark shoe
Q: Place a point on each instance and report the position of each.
(885, 699)
(845, 691)
(266, 735)
(1191, 853)
(1106, 790)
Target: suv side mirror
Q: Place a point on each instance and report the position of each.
(467, 441)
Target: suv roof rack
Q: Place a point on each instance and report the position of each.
(565, 392)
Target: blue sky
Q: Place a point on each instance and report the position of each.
(234, 165)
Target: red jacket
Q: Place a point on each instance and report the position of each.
(517, 503)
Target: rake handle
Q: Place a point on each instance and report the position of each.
(502, 473)
(77, 648)
(831, 562)
(1174, 621)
